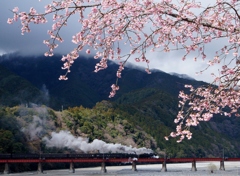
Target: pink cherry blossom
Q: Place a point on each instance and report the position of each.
(88, 51)
(157, 26)
(10, 21)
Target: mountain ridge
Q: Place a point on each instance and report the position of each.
(85, 87)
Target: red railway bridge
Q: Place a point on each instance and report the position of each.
(103, 162)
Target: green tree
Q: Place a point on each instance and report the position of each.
(6, 141)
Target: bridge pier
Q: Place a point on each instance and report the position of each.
(194, 168)
(222, 165)
(164, 166)
(103, 167)
(6, 169)
(72, 169)
(40, 170)
(134, 166)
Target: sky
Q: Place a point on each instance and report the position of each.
(31, 43)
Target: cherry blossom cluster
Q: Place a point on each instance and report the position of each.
(201, 105)
(148, 25)
(114, 89)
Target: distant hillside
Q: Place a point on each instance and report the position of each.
(15, 90)
(141, 114)
(142, 123)
(85, 87)
(155, 111)
(24, 129)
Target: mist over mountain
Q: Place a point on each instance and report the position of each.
(184, 76)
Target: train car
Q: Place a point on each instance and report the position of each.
(24, 156)
(5, 156)
(146, 155)
(76, 155)
(81, 155)
(102, 155)
(53, 155)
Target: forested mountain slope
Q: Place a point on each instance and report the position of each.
(155, 111)
(15, 90)
(140, 115)
(85, 87)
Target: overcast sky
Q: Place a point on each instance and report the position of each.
(11, 40)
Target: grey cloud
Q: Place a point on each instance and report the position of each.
(32, 43)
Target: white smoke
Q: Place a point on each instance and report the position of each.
(34, 129)
(66, 139)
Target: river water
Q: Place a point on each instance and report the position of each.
(184, 169)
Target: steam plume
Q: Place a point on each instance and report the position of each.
(66, 139)
(34, 129)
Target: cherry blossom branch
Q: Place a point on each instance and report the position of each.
(146, 25)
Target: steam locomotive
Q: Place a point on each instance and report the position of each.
(76, 156)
